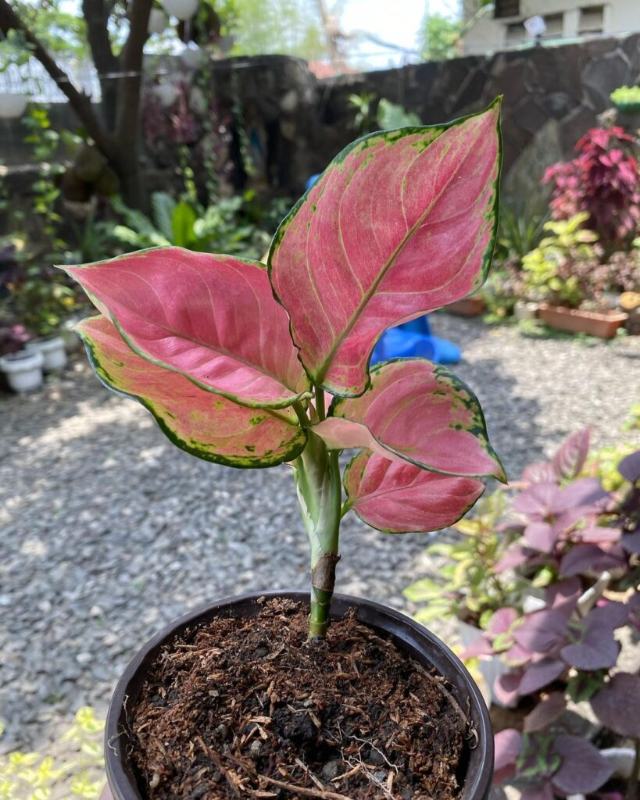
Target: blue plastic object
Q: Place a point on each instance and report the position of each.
(415, 339)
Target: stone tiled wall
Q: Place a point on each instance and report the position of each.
(294, 124)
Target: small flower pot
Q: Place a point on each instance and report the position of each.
(524, 310)
(602, 324)
(54, 355)
(467, 307)
(419, 643)
(23, 370)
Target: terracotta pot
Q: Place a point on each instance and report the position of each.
(602, 324)
(405, 632)
(467, 307)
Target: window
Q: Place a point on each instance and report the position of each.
(591, 19)
(506, 8)
(555, 26)
(516, 34)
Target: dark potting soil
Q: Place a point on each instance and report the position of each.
(244, 708)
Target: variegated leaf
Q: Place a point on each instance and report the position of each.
(203, 424)
(211, 318)
(418, 412)
(400, 223)
(399, 498)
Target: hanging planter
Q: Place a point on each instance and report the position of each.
(157, 21)
(12, 105)
(182, 9)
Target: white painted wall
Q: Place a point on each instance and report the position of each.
(488, 34)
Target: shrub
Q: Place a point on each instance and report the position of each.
(602, 181)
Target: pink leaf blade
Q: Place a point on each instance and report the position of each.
(572, 454)
(617, 704)
(210, 318)
(545, 713)
(425, 415)
(204, 425)
(399, 224)
(397, 497)
(582, 770)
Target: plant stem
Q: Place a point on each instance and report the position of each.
(634, 778)
(317, 475)
(320, 409)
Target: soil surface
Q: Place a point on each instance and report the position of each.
(249, 708)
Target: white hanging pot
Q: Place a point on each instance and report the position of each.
(12, 105)
(157, 21)
(23, 370)
(54, 355)
(182, 9)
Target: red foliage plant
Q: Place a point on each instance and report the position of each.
(603, 180)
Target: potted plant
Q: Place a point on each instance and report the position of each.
(260, 695)
(22, 369)
(468, 306)
(565, 272)
(626, 99)
(578, 546)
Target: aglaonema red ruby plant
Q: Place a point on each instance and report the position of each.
(235, 358)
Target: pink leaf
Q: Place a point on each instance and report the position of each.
(506, 688)
(546, 712)
(540, 674)
(507, 744)
(540, 536)
(421, 413)
(572, 454)
(540, 472)
(397, 497)
(617, 705)
(583, 769)
(203, 424)
(210, 318)
(400, 223)
(501, 621)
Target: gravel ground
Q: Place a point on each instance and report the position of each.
(108, 532)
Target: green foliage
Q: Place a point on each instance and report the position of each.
(35, 776)
(626, 97)
(56, 24)
(287, 27)
(225, 226)
(519, 232)
(465, 586)
(391, 115)
(372, 114)
(549, 267)
(440, 37)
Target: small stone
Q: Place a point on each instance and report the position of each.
(84, 658)
(255, 748)
(331, 770)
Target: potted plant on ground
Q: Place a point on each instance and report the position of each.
(259, 696)
(565, 273)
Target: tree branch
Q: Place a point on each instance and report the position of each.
(79, 101)
(131, 63)
(96, 15)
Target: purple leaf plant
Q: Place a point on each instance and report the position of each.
(579, 547)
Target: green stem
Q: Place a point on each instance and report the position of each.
(320, 409)
(317, 473)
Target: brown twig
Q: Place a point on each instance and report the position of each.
(291, 787)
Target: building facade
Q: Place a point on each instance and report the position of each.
(502, 28)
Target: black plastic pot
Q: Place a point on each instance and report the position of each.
(409, 635)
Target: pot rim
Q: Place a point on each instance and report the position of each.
(22, 361)
(474, 787)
